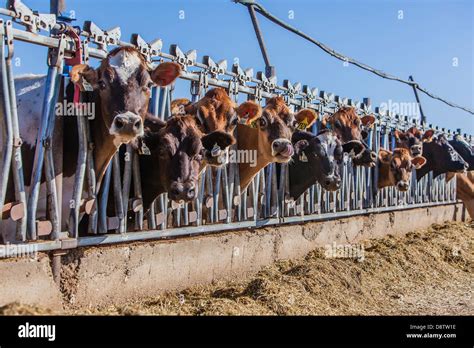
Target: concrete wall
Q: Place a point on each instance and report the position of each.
(116, 273)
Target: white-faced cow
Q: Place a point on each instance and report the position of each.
(120, 93)
(317, 158)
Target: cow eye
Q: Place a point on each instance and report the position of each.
(102, 84)
(338, 124)
(234, 121)
(262, 122)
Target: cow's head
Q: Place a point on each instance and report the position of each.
(176, 149)
(464, 149)
(412, 140)
(216, 112)
(441, 157)
(400, 165)
(274, 130)
(123, 83)
(349, 127)
(322, 153)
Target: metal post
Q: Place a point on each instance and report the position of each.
(423, 117)
(269, 69)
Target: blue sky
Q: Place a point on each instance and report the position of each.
(431, 36)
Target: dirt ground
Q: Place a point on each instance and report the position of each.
(429, 272)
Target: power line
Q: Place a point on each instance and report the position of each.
(260, 9)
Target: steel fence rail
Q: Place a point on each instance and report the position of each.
(221, 204)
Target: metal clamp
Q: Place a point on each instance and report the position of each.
(183, 59)
(215, 69)
(56, 55)
(268, 84)
(101, 37)
(148, 50)
(33, 20)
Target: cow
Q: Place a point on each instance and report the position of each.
(216, 112)
(412, 140)
(395, 168)
(269, 135)
(175, 157)
(440, 158)
(464, 181)
(120, 91)
(350, 127)
(317, 158)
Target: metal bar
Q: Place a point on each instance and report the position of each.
(423, 117)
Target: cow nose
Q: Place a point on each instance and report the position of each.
(416, 150)
(282, 147)
(180, 192)
(127, 124)
(332, 183)
(373, 155)
(402, 185)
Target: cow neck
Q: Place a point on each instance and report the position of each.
(151, 186)
(385, 177)
(301, 177)
(104, 148)
(248, 139)
(428, 166)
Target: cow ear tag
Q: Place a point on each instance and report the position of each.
(144, 150)
(215, 150)
(303, 157)
(86, 86)
(303, 124)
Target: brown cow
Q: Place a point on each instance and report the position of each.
(464, 189)
(395, 168)
(216, 112)
(349, 127)
(175, 159)
(413, 140)
(120, 93)
(122, 89)
(269, 134)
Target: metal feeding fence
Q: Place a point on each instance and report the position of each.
(220, 204)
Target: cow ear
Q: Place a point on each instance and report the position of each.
(385, 156)
(181, 106)
(153, 124)
(249, 111)
(353, 147)
(428, 135)
(326, 121)
(219, 138)
(165, 73)
(399, 135)
(368, 120)
(85, 77)
(305, 118)
(300, 146)
(418, 162)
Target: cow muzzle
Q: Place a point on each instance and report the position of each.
(216, 156)
(403, 185)
(416, 150)
(182, 192)
(127, 126)
(282, 149)
(331, 183)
